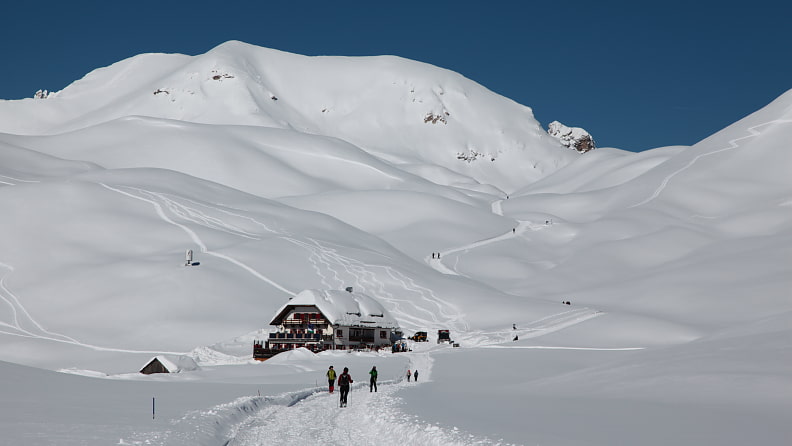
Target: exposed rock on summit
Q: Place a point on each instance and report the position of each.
(572, 137)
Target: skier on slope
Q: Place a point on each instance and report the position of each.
(415, 375)
(409, 375)
(331, 376)
(344, 380)
(373, 380)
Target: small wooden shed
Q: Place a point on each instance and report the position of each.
(159, 364)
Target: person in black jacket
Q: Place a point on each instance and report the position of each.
(344, 380)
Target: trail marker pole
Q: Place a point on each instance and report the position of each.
(153, 408)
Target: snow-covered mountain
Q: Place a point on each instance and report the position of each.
(284, 173)
(407, 112)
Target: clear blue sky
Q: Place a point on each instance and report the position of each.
(636, 75)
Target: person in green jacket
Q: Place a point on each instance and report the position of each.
(373, 380)
(331, 376)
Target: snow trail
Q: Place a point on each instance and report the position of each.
(732, 145)
(419, 306)
(18, 180)
(369, 418)
(497, 207)
(532, 329)
(21, 317)
(198, 218)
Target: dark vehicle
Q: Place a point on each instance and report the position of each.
(419, 336)
(444, 336)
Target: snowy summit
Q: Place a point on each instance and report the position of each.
(598, 298)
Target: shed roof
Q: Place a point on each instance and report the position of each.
(169, 365)
(174, 364)
(341, 308)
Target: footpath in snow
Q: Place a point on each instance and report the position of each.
(313, 416)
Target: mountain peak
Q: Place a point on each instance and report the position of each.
(404, 111)
(573, 137)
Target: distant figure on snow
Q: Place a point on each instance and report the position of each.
(188, 257)
(331, 376)
(409, 375)
(373, 380)
(415, 375)
(514, 326)
(515, 338)
(344, 380)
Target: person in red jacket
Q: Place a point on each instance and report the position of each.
(344, 380)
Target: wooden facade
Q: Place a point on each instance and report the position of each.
(317, 324)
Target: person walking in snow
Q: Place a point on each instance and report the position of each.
(415, 375)
(331, 376)
(373, 380)
(409, 374)
(344, 380)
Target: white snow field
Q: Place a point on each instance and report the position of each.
(284, 173)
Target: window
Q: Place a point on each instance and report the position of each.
(339, 333)
(383, 334)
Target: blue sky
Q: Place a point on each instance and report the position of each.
(636, 75)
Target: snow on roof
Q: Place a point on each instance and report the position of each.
(174, 364)
(342, 308)
(167, 363)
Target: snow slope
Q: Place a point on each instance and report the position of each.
(284, 173)
(405, 111)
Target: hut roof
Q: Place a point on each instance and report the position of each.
(341, 308)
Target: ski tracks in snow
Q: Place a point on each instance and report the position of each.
(22, 324)
(417, 304)
(20, 321)
(532, 329)
(160, 202)
(12, 181)
(733, 144)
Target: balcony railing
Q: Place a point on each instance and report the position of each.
(303, 336)
(294, 321)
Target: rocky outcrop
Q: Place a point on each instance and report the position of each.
(572, 137)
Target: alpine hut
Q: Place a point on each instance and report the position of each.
(328, 320)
